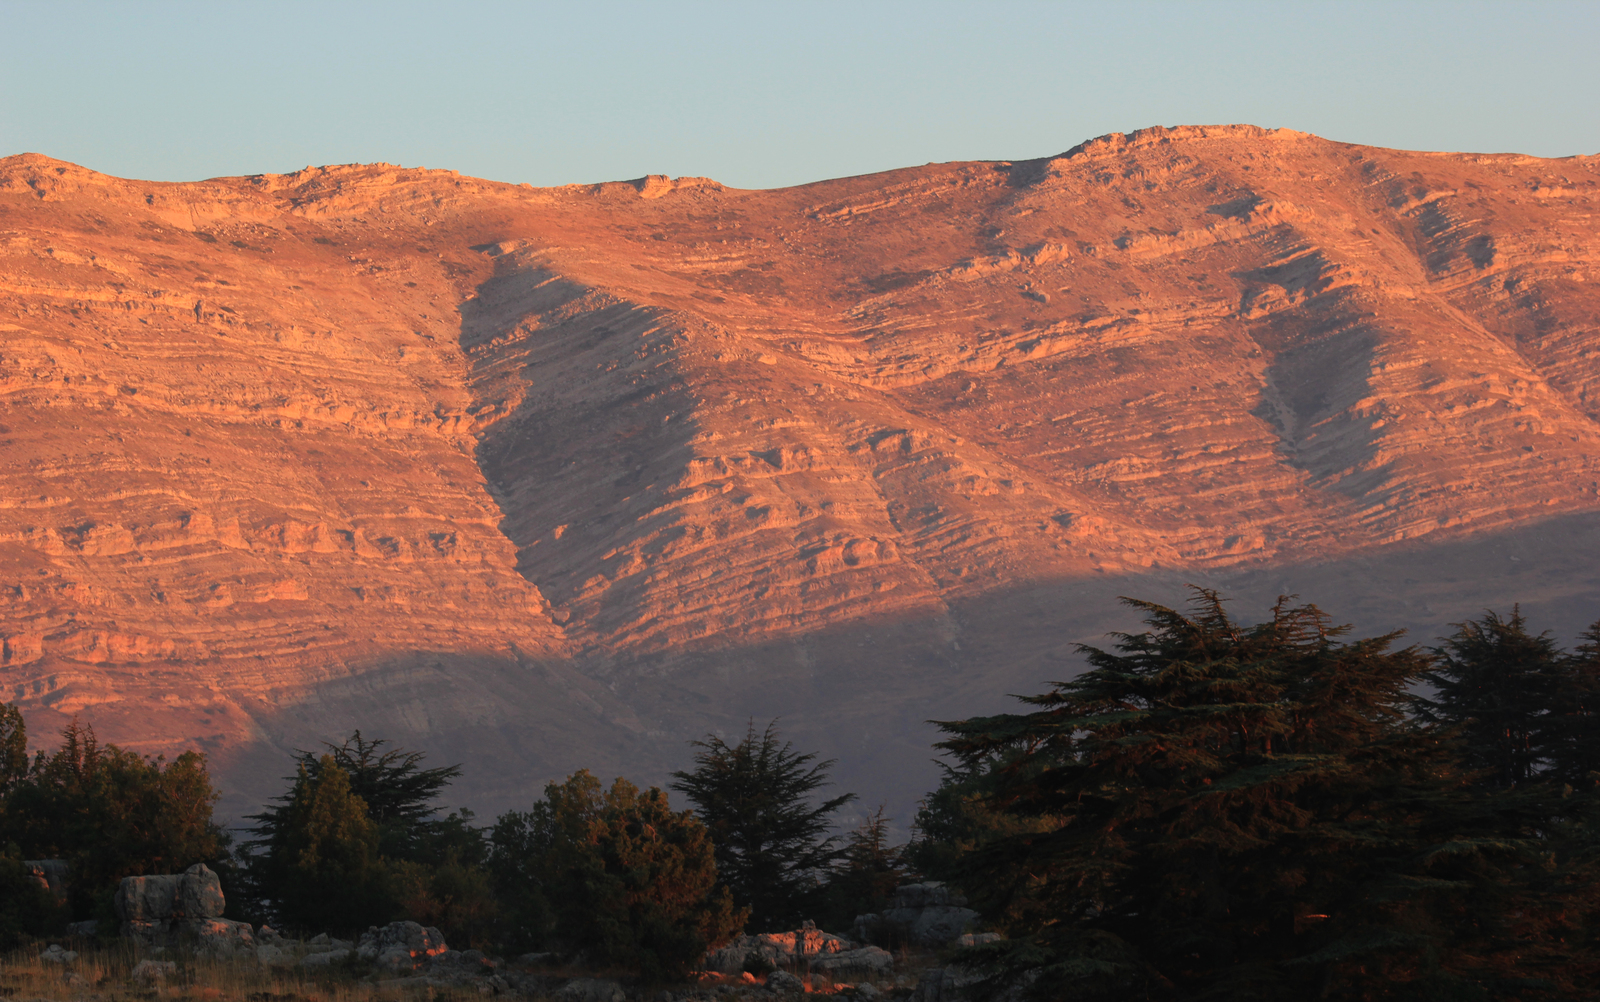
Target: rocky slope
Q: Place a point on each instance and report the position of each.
(549, 478)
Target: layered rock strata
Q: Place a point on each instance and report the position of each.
(562, 477)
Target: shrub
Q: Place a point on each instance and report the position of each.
(618, 876)
(321, 866)
(27, 909)
(455, 896)
(112, 813)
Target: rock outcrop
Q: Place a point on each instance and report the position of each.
(166, 909)
(549, 479)
(55, 953)
(928, 914)
(804, 946)
(830, 958)
(590, 990)
(401, 946)
(51, 875)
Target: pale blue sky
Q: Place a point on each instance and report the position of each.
(767, 94)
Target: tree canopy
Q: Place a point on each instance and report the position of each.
(111, 813)
(1248, 811)
(357, 839)
(617, 875)
(1499, 684)
(771, 838)
(321, 865)
(13, 746)
(398, 792)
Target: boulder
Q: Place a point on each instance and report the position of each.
(272, 955)
(54, 954)
(196, 893)
(325, 959)
(869, 963)
(926, 914)
(200, 894)
(147, 899)
(785, 983)
(591, 990)
(401, 946)
(147, 933)
(88, 929)
(160, 909)
(51, 875)
(464, 967)
(222, 937)
(777, 949)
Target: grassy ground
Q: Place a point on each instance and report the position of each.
(106, 974)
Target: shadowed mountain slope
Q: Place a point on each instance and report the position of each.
(555, 478)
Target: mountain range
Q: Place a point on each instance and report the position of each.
(538, 479)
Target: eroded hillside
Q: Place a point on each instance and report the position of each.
(562, 477)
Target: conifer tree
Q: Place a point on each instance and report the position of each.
(1576, 757)
(864, 877)
(398, 794)
(322, 865)
(13, 747)
(1502, 686)
(771, 840)
(1246, 812)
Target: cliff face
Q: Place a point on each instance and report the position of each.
(555, 478)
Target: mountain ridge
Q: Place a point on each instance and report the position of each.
(370, 432)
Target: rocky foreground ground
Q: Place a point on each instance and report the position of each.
(174, 940)
(325, 969)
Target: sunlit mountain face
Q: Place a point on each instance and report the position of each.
(544, 479)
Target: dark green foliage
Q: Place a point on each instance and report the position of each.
(1576, 756)
(1528, 712)
(863, 878)
(1246, 813)
(112, 813)
(27, 908)
(399, 795)
(321, 865)
(616, 875)
(455, 896)
(772, 843)
(520, 868)
(404, 861)
(1501, 685)
(960, 816)
(13, 747)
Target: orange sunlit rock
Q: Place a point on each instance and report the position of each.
(551, 478)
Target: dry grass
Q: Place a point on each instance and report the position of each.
(104, 973)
